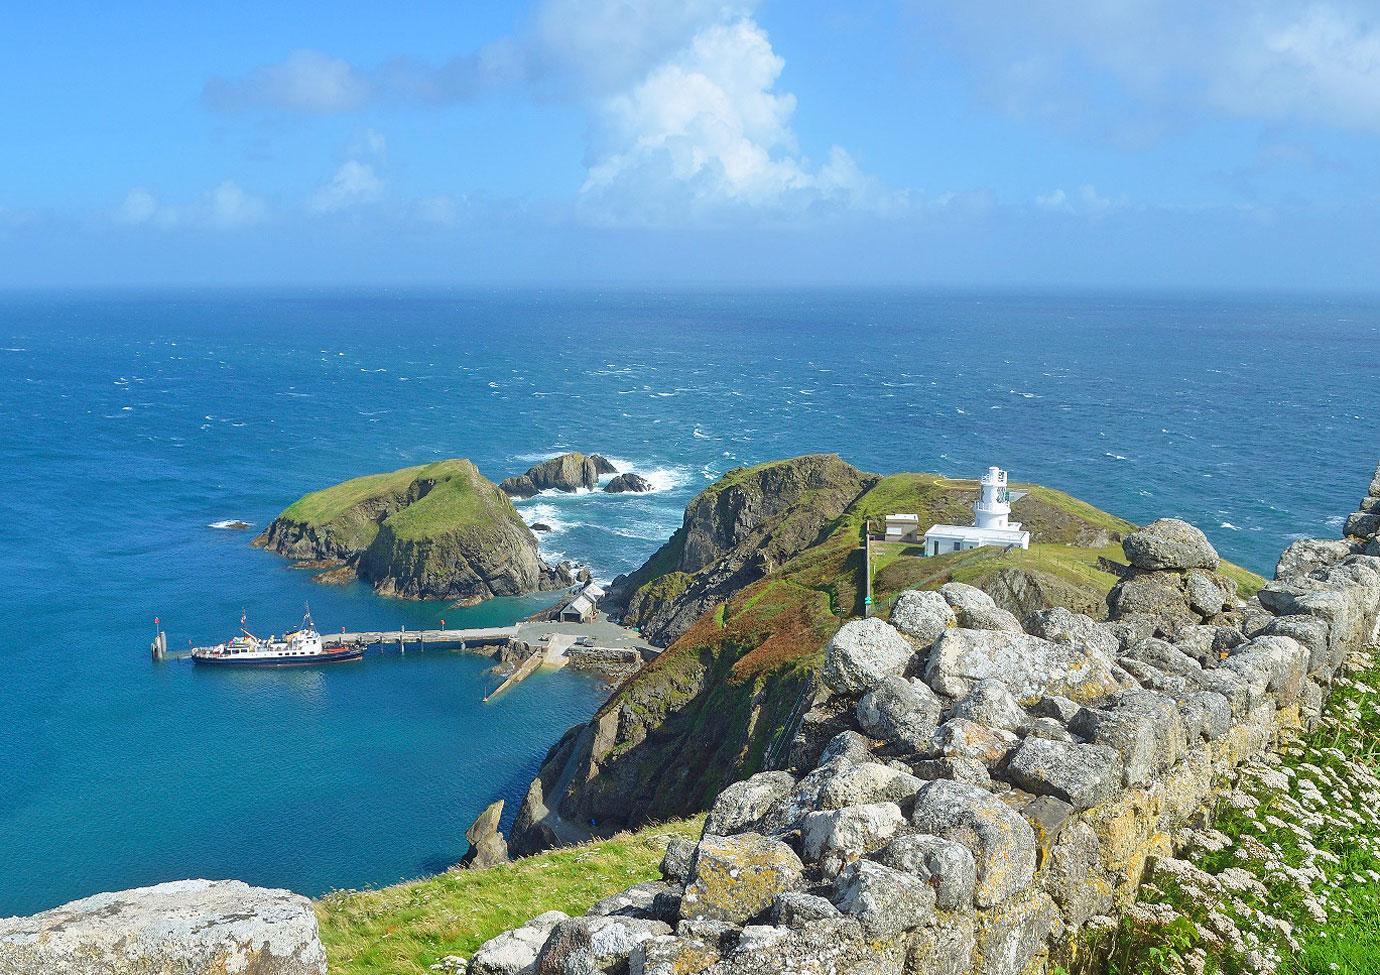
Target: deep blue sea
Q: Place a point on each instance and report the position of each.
(130, 423)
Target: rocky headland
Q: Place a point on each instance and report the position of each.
(436, 531)
(746, 595)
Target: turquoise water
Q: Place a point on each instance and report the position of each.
(129, 423)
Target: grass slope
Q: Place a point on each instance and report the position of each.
(407, 928)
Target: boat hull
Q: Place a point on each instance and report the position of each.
(316, 660)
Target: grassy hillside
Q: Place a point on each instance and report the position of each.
(407, 928)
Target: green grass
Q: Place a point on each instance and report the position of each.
(461, 498)
(403, 930)
(324, 506)
(1305, 835)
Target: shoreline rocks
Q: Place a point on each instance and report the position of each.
(569, 472)
(629, 482)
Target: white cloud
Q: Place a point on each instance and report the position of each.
(706, 131)
(353, 184)
(1084, 201)
(1132, 69)
(306, 81)
(684, 117)
(226, 207)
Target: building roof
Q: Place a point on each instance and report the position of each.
(592, 590)
(970, 533)
(579, 604)
(903, 518)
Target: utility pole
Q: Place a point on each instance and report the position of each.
(867, 568)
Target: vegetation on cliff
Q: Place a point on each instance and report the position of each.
(408, 928)
(750, 589)
(436, 531)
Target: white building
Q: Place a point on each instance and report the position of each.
(991, 525)
(903, 528)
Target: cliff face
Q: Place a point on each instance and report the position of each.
(568, 472)
(439, 531)
(764, 569)
(738, 531)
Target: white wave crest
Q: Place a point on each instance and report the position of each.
(544, 514)
(231, 523)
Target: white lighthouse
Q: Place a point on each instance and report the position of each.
(992, 524)
(994, 507)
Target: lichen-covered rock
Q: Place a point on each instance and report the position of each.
(677, 860)
(1205, 597)
(1029, 666)
(832, 946)
(1081, 775)
(900, 709)
(187, 927)
(515, 952)
(1159, 595)
(1143, 727)
(862, 654)
(1010, 938)
(991, 703)
(976, 610)
(1001, 841)
(671, 955)
(847, 746)
(921, 616)
(741, 806)
(837, 837)
(961, 738)
(1309, 554)
(589, 945)
(1073, 874)
(1205, 714)
(1283, 657)
(1169, 543)
(1060, 625)
(946, 865)
(654, 900)
(1311, 631)
(795, 909)
(735, 878)
(886, 902)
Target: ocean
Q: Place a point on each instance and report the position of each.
(132, 423)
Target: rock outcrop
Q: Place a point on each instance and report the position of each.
(1061, 762)
(734, 533)
(629, 482)
(188, 927)
(568, 472)
(488, 848)
(440, 531)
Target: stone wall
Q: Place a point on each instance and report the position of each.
(968, 790)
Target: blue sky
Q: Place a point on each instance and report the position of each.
(920, 142)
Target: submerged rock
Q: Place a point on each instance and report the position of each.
(629, 482)
(187, 927)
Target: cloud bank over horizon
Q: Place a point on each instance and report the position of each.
(1134, 141)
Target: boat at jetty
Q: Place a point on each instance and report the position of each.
(300, 648)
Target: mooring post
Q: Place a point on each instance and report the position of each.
(159, 647)
(402, 640)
